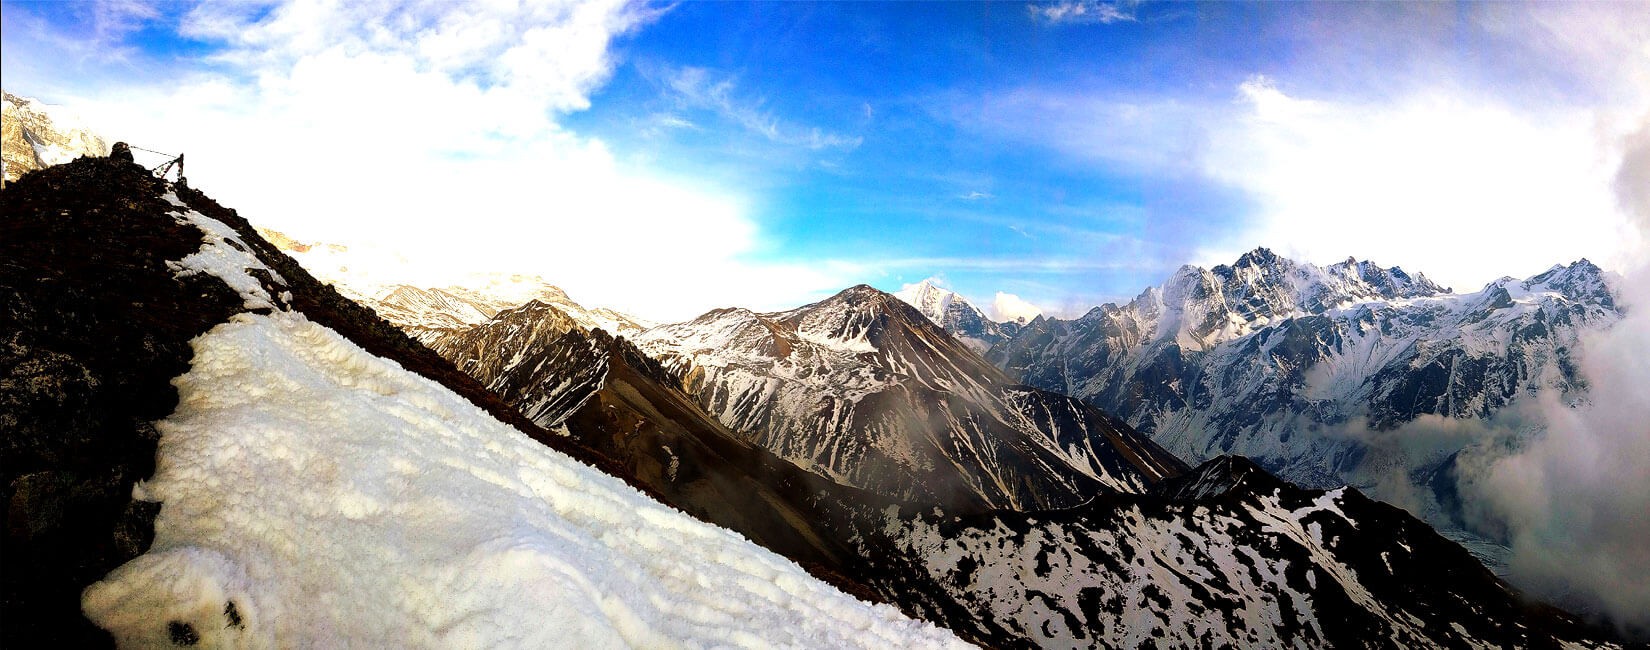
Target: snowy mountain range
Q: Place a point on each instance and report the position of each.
(992, 575)
(1326, 375)
(430, 313)
(35, 135)
(221, 450)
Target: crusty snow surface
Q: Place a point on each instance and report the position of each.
(315, 495)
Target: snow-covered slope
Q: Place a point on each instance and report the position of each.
(316, 495)
(1226, 556)
(1307, 369)
(954, 313)
(35, 135)
(864, 390)
(322, 479)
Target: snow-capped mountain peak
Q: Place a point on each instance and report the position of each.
(953, 312)
(929, 298)
(1276, 360)
(1199, 308)
(855, 387)
(429, 313)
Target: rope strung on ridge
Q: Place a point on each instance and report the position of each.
(151, 151)
(161, 170)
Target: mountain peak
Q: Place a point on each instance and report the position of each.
(861, 292)
(1260, 256)
(929, 298)
(1582, 281)
(955, 314)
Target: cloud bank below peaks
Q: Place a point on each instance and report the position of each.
(1576, 503)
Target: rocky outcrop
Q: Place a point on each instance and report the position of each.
(35, 136)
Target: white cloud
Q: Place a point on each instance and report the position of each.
(1085, 11)
(1462, 188)
(1009, 307)
(976, 195)
(1576, 503)
(432, 130)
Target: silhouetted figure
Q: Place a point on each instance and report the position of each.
(121, 152)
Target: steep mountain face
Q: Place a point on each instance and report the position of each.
(34, 136)
(864, 390)
(1305, 369)
(605, 393)
(954, 313)
(536, 357)
(312, 476)
(1226, 555)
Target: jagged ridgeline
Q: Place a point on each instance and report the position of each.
(1350, 373)
(1221, 555)
(152, 335)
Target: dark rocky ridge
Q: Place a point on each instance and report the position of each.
(93, 327)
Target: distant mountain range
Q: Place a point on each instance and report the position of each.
(854, 435)
(794, 406)
(1314, 372)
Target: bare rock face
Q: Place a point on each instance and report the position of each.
(34, 135)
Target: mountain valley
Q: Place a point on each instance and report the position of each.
(881, 454)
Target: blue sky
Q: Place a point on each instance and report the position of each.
(672, 159)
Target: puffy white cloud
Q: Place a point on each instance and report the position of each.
(1009, 307)
(1576, 502)
(431, 130)
(1465, 189)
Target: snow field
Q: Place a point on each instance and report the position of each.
(222, 255)
(327, 497)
